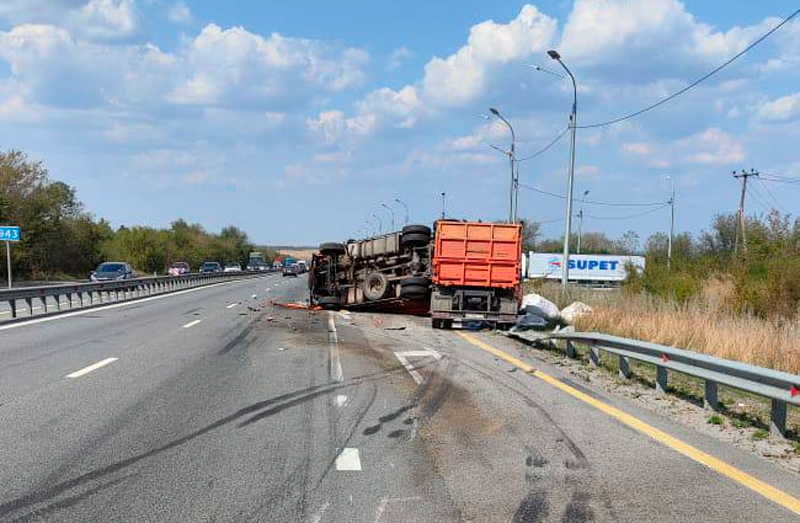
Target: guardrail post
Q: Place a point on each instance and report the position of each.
(661, 380)
(58, 302)
(594, 356)
(13, 305)
(711, 397)
(777, 426)
(624, 367)
(29, 301)
(44, 303)
(570, 349)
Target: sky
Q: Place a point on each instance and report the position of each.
(296, 121)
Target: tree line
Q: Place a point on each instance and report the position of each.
(61, 239)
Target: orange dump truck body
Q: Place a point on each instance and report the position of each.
(476, 273)
(477, 254)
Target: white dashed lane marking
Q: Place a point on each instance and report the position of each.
(191, 324)
(90, 368)
(232, 305)
(348, 459)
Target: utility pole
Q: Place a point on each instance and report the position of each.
(744, 175)
(580, 224)
(443, 194)
(671, 222)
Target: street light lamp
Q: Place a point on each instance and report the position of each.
(390, 212)
(512, 210)
(580, 224)
(573, 122)
(398, 200)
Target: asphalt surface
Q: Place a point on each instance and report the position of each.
(216, 405)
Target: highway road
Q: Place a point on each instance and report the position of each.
(213, 405)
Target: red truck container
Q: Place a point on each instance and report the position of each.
(476, 272)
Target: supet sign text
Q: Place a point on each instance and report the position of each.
(582, 267)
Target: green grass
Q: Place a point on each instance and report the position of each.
(760, 434)
(716, 420)
(740, 423)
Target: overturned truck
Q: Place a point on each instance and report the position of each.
(390, 272)
(467, 271)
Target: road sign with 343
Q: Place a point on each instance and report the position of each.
(9, 233)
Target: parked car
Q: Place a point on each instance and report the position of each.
(233, 267)
(301, 265)
(110, 271)
(179, 268)
(291, 270)
(211, 266)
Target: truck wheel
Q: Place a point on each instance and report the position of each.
(420, 281)
(375, 286)
(415, 236)
(331, 303)
(331, 249)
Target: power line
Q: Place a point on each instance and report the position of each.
(546, 147)
(696, 82)
(781, 179)
(758, 199)
(650, 211)
(591, 202)
(774, 199)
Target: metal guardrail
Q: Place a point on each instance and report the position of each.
(782, 388)
(92, 293)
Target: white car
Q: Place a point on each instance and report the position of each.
(233, 267)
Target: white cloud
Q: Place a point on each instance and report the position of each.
(647, 39)
(637, 148)
(334, 127)
(781, 109)
(461, 77)
(710, 147)
(180, 13)
(105, 19)
(227, 63)
(398, 57)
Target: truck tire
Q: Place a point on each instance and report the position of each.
(415, 236)
(331, 249)
(331, 303)
(414, 287)
(375, 286)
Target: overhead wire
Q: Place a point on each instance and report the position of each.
(546, 147)
(592, 202)
(696, 82)
(771, 195)
(649, 211)
(754, 196)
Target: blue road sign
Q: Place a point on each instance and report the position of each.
(9, 233)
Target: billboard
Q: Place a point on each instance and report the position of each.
(582, 267)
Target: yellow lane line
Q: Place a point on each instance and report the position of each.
(768, 491)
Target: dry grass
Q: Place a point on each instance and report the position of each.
(704, 324)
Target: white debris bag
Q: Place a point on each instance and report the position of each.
(575, 310)
(535, 304)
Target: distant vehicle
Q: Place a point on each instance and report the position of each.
(277, 265)
(210, 266)
(291, 270)
(256, 257)
(302, 266)
(179, 268)
(289, 261)
(257, 266)
(111, 271)
(233, 267)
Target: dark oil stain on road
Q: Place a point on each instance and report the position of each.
(578, 509)
(534, 508)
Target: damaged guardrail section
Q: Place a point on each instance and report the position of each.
(781, 388)
(93, 293)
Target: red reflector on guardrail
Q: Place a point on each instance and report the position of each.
(664, 358)
(794, 391)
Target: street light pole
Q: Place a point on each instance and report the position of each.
(380, 222)
(398, 200)
(443, 195)
(580, 224)
(390, 212)
(573, 123)
(512, 210)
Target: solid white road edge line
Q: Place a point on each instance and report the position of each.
(90, 368)
(114, 305)
(348, 459)
(191, 324)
